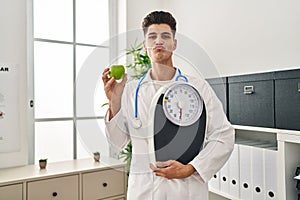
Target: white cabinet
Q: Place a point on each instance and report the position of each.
(11, 192)
(289, 159)
(268, 159)
(70, 180)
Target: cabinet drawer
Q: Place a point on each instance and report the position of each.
(63, 188)
(251, 102)
(287, 103)
(11, 192)
(103, 184)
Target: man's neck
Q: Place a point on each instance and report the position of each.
(162, 72)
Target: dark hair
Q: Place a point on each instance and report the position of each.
(159, 17)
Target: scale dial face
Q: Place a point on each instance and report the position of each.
(182, 104)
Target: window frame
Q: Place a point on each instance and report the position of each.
(113, 29)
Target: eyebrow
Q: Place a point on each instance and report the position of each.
(166, 33)
(152, 33)
(163, 33)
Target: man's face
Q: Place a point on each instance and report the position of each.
(160, 43)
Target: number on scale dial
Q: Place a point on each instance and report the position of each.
(182, 104)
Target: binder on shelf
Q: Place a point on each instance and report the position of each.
(270, 158)
(297, 177)
(234, 173)
(257, 164)
(224, 178)
(297, 173)
(214, 182)
(245, 172)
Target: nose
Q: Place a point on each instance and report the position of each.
(159, 40)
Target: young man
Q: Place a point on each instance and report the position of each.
(168, 179)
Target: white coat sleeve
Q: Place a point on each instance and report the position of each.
(116, 129)
(219, 140)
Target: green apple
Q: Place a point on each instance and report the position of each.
(117, 71)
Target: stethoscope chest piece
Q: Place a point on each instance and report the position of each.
(136, 123)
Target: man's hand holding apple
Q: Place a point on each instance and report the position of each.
(113, 88)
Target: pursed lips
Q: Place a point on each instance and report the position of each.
(159, 47)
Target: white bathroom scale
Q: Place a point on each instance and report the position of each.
(179, 123)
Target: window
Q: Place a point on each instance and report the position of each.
(65, 34)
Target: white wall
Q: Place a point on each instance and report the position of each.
(135, 12)
(240, 36)
(14, 50)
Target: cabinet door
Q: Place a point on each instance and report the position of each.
(287, 99)
(252, 103)
(11, 192)
(103, 184)
(63, 188)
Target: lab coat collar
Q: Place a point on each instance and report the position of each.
(148, 76)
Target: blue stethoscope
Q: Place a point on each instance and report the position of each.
(138, 123)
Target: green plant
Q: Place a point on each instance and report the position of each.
(43, 163)
(96, 156)
(141, 61)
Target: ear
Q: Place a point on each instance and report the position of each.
(145, 47)
(175, 44)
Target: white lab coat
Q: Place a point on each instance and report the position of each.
(142, 182)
